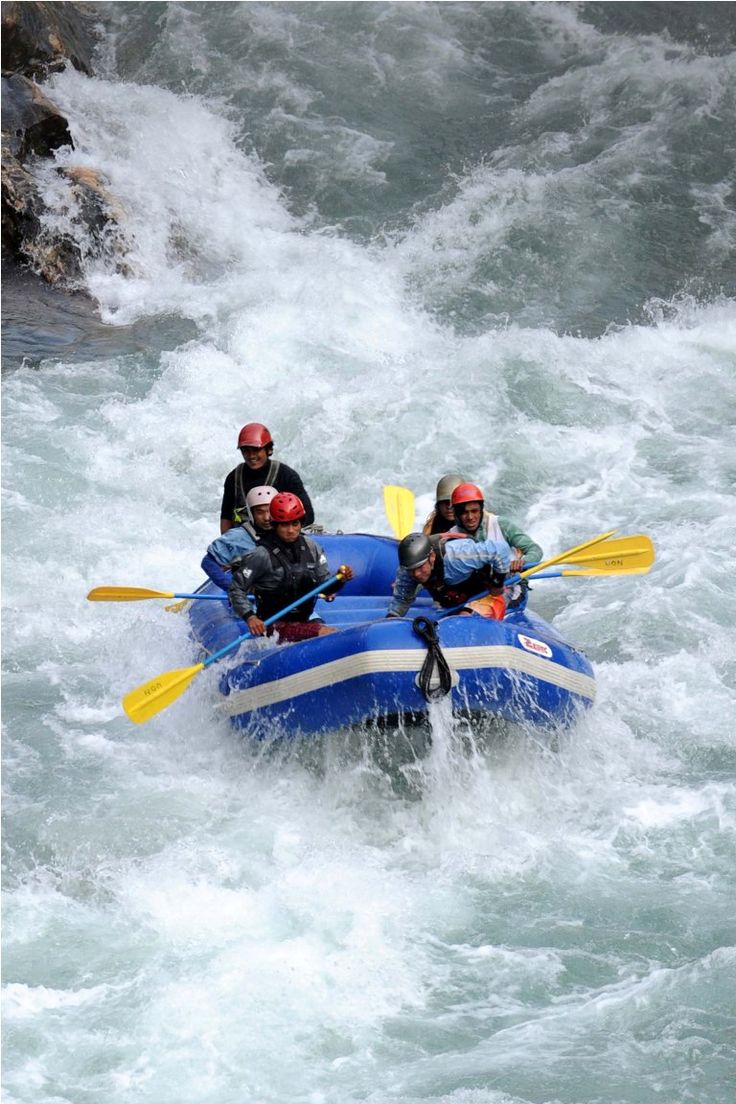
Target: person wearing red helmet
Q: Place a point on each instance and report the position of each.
(284, 565)
(258, 469)
(479, 524)
(474, 521)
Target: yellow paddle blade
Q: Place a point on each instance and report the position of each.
(146, 701)
(177, 607)
(602, 572)
(126, 594)
(569, 555)
(625, 554)
(399, 505)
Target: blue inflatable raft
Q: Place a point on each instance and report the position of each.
(372, 668)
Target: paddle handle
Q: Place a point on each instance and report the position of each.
(203, 597)
(270, 621)
(512, 579)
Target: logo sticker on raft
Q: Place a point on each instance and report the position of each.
(536, 646)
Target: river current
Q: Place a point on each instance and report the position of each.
(411, 238)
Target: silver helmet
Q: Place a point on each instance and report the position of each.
(447, 485)
(260, 496)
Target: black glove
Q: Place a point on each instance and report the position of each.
(497, 579)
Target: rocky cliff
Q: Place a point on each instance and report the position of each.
(39, 39)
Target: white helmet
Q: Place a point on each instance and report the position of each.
(260, 496)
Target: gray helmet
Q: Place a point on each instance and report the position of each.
(414, 550)
(447, 485)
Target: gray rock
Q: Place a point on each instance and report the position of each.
(31, 123)
(39, 39)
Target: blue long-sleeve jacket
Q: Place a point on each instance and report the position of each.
(232, 544)
(460, 558)
(219, 577)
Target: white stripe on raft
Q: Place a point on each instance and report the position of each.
(383, 661)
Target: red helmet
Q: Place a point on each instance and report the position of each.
(254, 435)
(286, 507)
(467, 492)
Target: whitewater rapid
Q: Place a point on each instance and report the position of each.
(471, 917)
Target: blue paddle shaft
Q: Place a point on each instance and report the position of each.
(203, 597)
(542, 575)
(276, 617)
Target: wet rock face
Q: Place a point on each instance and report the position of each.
(32, 123)
(38, 39)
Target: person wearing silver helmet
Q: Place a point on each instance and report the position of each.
(442, 517)
(241, 539)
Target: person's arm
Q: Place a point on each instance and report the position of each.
(233, 545)
(333, 589)
(238, 593)
(228, 503)
(465, 556)
(324, 573)
(237, 542)
(531, 551)
(246, 572)
(212, 568)
(405, 590)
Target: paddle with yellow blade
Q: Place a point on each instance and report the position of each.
(588, 573)
(177, 607)
(137, 594)
(159, 692)
(571, 555)
(624, 556)
(399, 505)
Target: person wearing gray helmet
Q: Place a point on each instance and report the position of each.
(453, 571)
(442, 517)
